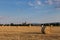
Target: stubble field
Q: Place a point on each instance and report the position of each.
(28, 33)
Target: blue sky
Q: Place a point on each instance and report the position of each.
(32, 11)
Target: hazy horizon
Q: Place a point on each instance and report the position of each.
(31, 11)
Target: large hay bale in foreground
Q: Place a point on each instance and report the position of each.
(48, 30)
(52, 30)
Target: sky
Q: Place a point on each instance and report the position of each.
(31, 11)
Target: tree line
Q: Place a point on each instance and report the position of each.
(32, 24)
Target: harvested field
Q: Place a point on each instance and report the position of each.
(28, 33)
(22, 36)
(20, 29)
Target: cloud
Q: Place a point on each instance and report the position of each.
(38, 2)
(35, 4)
(9, 19)
(49, 2)
(3, 17)
(56, 3)
(30, 4)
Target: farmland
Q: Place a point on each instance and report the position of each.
(28, 33)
